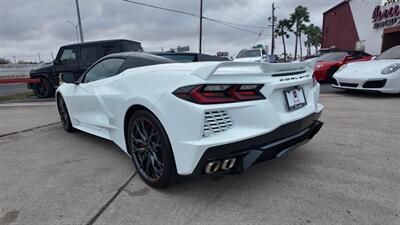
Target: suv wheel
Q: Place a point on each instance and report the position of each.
(43, 89)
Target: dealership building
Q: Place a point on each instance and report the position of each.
(369, 25)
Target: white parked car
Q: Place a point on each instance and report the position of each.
(252, 55)
(195, 118)
(381, 74)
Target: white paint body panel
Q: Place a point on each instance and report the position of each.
(361, 72)
(100, 107)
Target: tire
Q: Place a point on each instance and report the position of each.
(43, 89)
(150, 149)
(64, 115)
(330, 74)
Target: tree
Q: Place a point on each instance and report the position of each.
(316, 38)
(309, 31)
(298, 18)
(282, 30)
(302, 30)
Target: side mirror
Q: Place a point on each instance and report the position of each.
(68, 78)
(57, 61)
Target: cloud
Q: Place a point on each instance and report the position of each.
(31, 27)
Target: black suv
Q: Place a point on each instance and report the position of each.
(75, 59)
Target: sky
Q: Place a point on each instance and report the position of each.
(32, 27)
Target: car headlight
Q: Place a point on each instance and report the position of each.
(342, 67)
(391, 69)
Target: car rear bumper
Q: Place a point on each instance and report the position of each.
(262, 148)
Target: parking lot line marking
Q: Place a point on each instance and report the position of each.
(27, 130)
(28, 104)
(108, 203)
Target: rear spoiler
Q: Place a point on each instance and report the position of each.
(249, 68)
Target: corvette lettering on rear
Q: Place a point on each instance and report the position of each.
(294, 78)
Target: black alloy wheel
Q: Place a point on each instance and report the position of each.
(64, 115)
(150, 149)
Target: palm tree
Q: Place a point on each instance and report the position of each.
(282, 30)
(309, 31)
(298, 18)
(316, 38)
(302, 30)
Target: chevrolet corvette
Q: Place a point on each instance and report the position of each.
(191, 119)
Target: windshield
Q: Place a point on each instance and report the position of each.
(392, 53)
(249, 53)
(337, 56)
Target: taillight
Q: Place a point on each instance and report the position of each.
(220, 93)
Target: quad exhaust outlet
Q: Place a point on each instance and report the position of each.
(215, 166)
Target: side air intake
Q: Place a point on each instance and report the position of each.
(216, 122)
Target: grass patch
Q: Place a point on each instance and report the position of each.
(16, 97)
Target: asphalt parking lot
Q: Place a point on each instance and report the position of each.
(348, 174)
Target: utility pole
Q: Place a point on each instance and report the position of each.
(79, 20)
(39, 57)
(273, 29)
(15, 61)
(75, 26)
(201, 26)
(52, 56)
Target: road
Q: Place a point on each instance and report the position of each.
(9, 89)
(348, 174)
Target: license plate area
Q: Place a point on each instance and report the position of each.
(295, 98)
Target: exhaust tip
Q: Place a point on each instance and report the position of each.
(215, 166)
(228, 163)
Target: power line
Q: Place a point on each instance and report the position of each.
(162, 8)
(234, 24)
(244, 5)
(230, 25)
(222, 22)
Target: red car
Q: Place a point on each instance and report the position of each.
(329, 63)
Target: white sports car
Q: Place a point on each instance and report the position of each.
(381, 74)
(195, 118)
